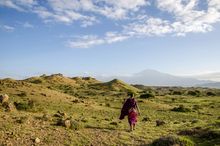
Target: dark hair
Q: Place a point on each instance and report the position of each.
(130, 94)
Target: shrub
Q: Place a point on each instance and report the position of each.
(22, 120)
(108, 104)
(147, 95)
(193, 93)
(199, 132)
(24, 105)
(22, 94)
(146, 118)
(75, 125)
(37, 81)
(197, 107)
(176, 93)
(172, 140)
(181, 108)
(173, 99)
(210, 134)
(114, 123)
(210, 93)
(160, 122)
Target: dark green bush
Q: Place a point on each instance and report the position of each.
(146, 118)
(209, 93)
(181, 108)
(24, 105)
(114, 123)
(108, 104)
(173, 140)
(177, 93)
(22, 94)
(22, 120)
(37, 81)
(75, 125)
(147, 95)
(194, 93)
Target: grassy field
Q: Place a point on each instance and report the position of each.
(56, 110)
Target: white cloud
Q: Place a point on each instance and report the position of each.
(28, 25)
(10, 4)
(88, 41)
(26, 3)
(85, 41)
(178, 18)
(214, 3)
(128, 4)
(111, 37)
(7, 28)
(188, 17)
(149, 27)
(119, 9)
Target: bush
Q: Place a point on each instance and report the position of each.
(210, 93)
(193, 93)
(181, 108)
(108, 104)
(197, 107)
(173, 140)
(114, 123)
(147, 95)
(22, 94)
(160, 122)
(24, 105)
(22, 120)
(146, 118)
(75, 125)
(37, 81)
(206, 134)
(176, 93)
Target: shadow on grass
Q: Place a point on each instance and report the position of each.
(103, 128)
(106, 128)
(203, 136)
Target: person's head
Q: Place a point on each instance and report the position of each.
(130, 95)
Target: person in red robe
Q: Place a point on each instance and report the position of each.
(130, 108)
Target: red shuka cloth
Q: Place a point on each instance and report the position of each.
(132, 116)
(129, 103)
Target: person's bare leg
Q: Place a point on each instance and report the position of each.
(131, 127)
(134, 127)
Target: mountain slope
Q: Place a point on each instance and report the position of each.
(211, 85)
(208, 76)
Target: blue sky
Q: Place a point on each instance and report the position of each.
(103, 37)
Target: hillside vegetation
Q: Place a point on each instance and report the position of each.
(58, 110)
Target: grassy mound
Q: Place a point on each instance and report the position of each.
(116, 85)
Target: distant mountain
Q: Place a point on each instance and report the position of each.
(156, 78)
(209, 76)
(211, 85)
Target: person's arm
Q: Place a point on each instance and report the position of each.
(138, 109)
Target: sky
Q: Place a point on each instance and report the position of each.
(108, 37)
